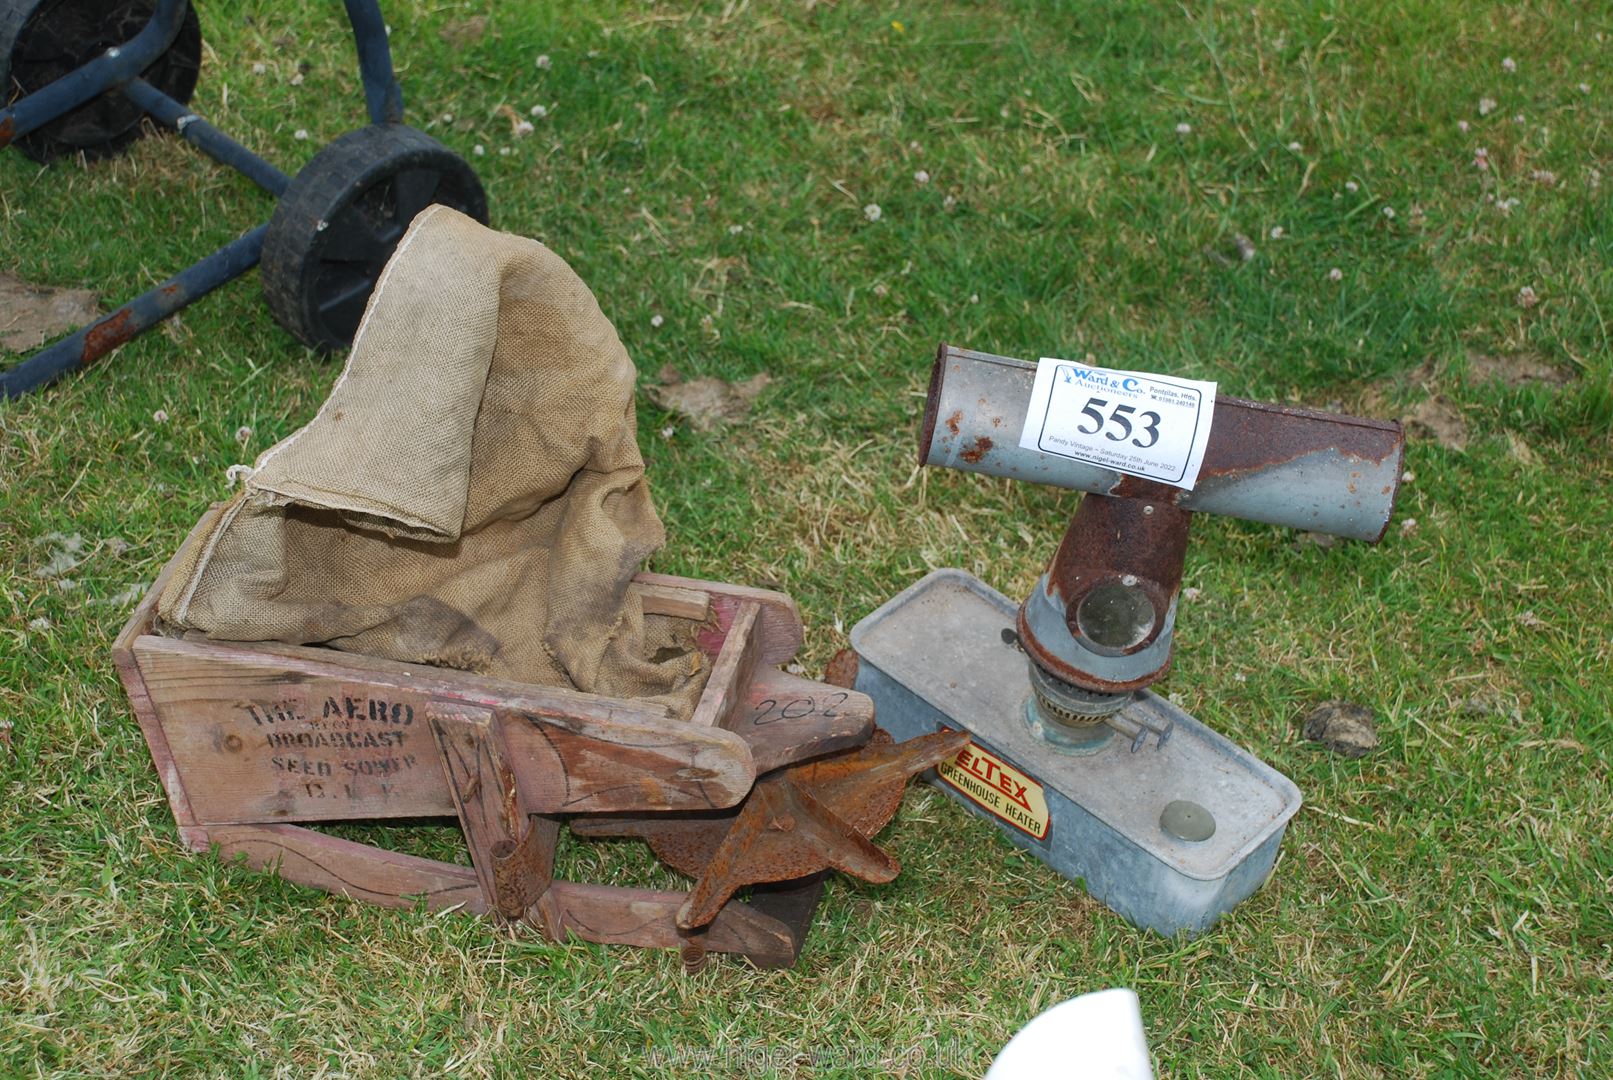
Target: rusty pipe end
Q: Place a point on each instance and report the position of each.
(932, 403)
(1396, 483)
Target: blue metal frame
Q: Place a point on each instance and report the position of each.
(119, 68)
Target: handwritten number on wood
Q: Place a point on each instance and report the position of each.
(769, 710)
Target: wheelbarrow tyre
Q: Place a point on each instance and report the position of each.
(42, 40)
(342, 217)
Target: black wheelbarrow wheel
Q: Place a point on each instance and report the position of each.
(342, 217)
(42, 40)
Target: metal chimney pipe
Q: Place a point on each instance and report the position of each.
(1311, 470)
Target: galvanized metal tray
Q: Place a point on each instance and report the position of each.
(937, 655)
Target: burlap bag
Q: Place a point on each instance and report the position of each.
(470, 495)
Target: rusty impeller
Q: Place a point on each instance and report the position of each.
(796, 821)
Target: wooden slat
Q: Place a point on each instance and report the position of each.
(259, 738)
(781, 633)
(786, 719)
(145, 713)
(733, 670)
(351, 869)
(491, 813)
(578, 766)
(648, 918)
(673, 600)
(267, 736)
(446, 683)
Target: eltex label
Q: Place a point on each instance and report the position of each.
(994, 785)
(1130, 421)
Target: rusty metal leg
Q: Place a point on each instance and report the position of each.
(88, 344)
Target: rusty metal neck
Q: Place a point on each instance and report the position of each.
(932, 401)
(1101, 617)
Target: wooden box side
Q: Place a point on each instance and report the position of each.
(285, 733)
(191, 833)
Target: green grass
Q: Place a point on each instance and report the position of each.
(1441, 907)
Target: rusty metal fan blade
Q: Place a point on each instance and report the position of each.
(815, 817)
(795, 822)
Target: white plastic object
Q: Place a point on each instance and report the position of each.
(1097, 1036)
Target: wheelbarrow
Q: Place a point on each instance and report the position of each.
(82, 76)
(773, 781)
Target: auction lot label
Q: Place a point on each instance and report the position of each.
(993, 784)
(1153, 426)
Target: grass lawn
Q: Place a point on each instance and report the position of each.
(1052, 179)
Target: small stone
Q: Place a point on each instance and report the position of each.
(1343, 727)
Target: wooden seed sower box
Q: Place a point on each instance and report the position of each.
(254, 741)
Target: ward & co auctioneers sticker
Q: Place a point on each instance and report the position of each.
(1146, 425)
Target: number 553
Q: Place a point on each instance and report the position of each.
(1120, 417)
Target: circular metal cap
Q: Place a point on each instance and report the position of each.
(1187, 821)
